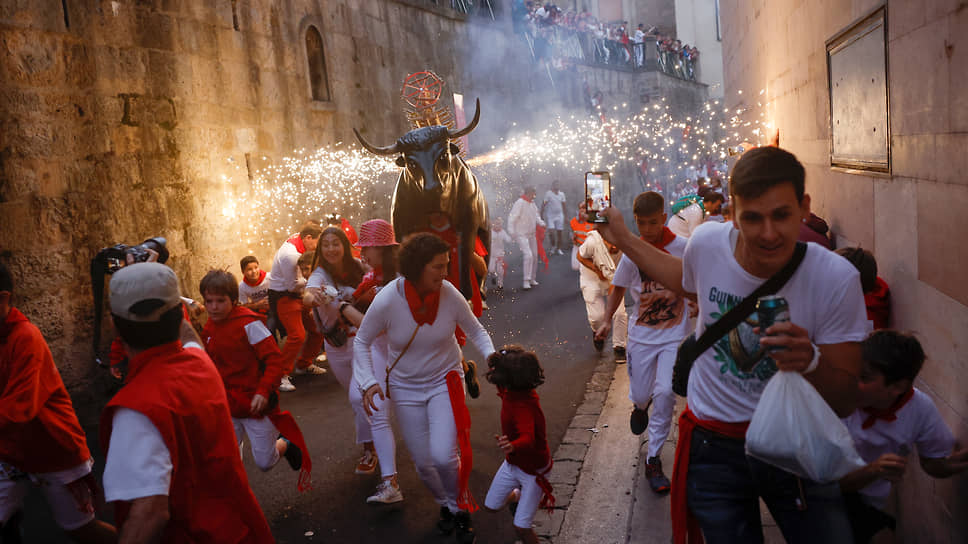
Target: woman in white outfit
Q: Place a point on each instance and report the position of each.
(418, 314)
(336, 274)
(379, 250)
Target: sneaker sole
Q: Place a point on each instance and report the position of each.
(378, 501)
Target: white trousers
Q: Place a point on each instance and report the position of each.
(427, 422)
(508, 478)
(341, 363)
(596, 300)
(529, 247)
(496, 268)
(262, 439)
(14, 486)
(384, 442)
(650, 377)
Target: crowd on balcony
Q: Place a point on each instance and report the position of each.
(565, 36)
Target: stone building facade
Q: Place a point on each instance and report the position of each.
(125, 120)
(912, 217)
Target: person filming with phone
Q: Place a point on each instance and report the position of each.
(715, 486)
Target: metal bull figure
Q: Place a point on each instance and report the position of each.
(436, 179)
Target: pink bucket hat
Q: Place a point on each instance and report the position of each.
(376, 233)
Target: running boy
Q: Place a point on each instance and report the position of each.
(499, 237)
(254, 287)
(659, 323)
(251, 366)
(522, 479)
(893, 416)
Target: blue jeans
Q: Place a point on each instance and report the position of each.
(724, 487)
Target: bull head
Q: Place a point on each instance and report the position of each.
(423, 147)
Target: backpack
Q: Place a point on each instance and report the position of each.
(685, 202)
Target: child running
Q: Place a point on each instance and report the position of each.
(894, 416)
(251, 367)
(522, 479)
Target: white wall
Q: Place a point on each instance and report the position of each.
(696, 26)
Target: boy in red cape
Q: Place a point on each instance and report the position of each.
(173, 466)
(41, 441)
(251, 366)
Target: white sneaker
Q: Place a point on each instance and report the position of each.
(386, 493)
(526, 286)
(286, 384)
(311, 369)
(321, 358)
(533, 283)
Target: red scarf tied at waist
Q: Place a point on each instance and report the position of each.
(462, 418)
(685, 527)
(297, 241)
(262, 274)
(423, 309)
(287, 427)
(889, 415)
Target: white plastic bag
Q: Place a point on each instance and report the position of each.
(794, 429)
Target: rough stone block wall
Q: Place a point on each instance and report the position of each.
(124, 120)
(912, 218)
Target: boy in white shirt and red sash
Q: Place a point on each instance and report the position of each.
(715, 486)
(659, 322)
(893, 416)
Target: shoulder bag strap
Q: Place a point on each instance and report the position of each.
(404, 350)
(742, 310)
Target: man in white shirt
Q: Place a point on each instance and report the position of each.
(553, 210)
(638, 40)
(598, 259)
(714, 485)
(522, 223)
(285, 297)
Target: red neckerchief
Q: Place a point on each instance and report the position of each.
(667, 237)
(371, 279)
(685, 527)
(14, 316)
(297, 241)
(889, 415)
(262, 277)
(526, 197)
(423, 310)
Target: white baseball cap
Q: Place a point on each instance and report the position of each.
(144, 291)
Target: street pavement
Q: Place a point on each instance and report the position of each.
(549, 319)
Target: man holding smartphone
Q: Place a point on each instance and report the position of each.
(715, 487)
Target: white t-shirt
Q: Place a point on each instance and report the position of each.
(285, 268)
(554, 205)
(594, 248)
(685, 222)
(918, 424)
(660, 315)
(138, 463)
(825, 298)
(249, 294)
(498, 239)
(523, 219)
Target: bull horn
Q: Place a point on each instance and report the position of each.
(388, 150)
(471, 126)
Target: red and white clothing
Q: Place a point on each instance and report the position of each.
(580, 229)
(824, 295)
(285, 268)
(527, 466)
(554, 209)
(595, 291)
(341, 357)
(878, 303)
(916, 423)
(176, 394)
(418, 384)
(41, 439)
(522, 223)
(497, 265)
(254, 292)
(249, 362)
(285, 278)
(659, 322)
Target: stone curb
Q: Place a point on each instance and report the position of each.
(570, 455)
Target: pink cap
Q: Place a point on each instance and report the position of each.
(376, 233)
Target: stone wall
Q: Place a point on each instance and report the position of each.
(124, 120)
(913, 218)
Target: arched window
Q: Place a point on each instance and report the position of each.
(317, 65)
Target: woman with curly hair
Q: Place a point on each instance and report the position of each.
(418, 313)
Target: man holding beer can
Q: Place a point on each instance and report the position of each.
(715, 487)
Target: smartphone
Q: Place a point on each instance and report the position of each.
(598, 195)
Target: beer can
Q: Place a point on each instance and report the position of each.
(770, 310)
